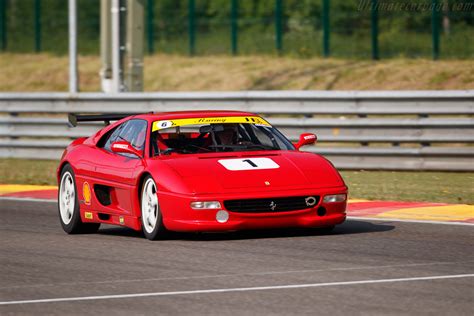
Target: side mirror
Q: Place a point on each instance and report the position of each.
(126, 148)
(305, 139)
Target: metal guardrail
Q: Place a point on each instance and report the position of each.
(267, 102)
(356, 130)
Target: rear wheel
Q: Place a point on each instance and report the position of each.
(152, 219)
(68, 205)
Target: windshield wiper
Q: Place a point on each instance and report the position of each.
(226, 146)
(261, 146)
(198, 147)
(244, 146)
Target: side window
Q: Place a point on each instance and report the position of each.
(134, 133)
(113, 136)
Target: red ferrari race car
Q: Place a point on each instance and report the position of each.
(195, 171)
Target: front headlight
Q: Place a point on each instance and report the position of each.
(334, 198)
(208, 205)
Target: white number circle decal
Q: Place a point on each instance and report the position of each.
(248, 164)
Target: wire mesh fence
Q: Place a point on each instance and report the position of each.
(360, 29)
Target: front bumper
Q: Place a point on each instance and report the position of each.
(178, 216)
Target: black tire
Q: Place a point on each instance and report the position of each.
(72, 223)
(150, 213)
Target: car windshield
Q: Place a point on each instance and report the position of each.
(191, 136)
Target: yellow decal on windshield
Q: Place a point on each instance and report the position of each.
(158, 125)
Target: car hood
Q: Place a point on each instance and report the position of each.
(243, 172)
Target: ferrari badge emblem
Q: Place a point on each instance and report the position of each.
(310, 201)
(273, 206)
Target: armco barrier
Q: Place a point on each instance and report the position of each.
(403, 130)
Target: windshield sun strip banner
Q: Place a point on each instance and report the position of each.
(159, 125)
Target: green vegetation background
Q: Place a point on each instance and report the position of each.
(401, 32)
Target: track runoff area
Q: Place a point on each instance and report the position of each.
(384, 259)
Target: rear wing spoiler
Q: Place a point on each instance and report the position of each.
(73, 118)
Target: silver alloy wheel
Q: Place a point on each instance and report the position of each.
(150, 207)
(67, 198)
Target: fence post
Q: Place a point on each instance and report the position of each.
(435, 28)
(3, 25)
(72, 24)
(192, 26)
(234, 27)
(150, 26)
(134, 40)
(278, 26)
(325, 18)
(375, 30)
(37, 26)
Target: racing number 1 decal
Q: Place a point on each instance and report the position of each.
(248, 164)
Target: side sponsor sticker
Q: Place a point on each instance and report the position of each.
(120, 146)
(248, 164)
(88, 215)
(86, 193)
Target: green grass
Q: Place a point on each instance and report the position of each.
(20, 171)
(444, 187)
(44, 72)
(300, 42)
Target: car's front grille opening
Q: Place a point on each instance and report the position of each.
(277, 204)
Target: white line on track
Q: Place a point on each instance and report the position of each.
(238, 289)
(240, 275)
(387, 219)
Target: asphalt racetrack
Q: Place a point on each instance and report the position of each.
(363, 267)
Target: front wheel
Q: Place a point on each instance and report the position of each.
(152, 219)
(68, 205)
